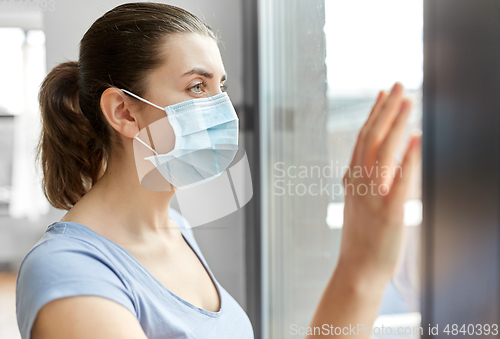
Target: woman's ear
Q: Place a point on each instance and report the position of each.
(117, 109)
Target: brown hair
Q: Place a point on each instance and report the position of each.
(118, 50)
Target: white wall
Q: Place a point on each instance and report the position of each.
(222, 242)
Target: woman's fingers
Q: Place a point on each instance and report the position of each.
(356, 156)
(404, 173)
(381, 124)
(387, 151)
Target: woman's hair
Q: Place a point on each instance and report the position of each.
(118, 50)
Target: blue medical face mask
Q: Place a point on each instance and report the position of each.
(206, 140)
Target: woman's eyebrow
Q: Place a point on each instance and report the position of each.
(203, 73)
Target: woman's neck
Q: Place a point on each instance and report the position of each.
(118, 206)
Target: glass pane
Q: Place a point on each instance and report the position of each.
(23, 69)
(322, 65)
(368, 50)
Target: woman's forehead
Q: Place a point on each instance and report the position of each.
(192, 53)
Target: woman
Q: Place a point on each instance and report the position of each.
(121, 263)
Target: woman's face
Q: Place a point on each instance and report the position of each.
(192, 69)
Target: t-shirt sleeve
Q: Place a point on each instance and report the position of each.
(65, 267)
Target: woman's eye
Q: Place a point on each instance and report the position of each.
(198, 88)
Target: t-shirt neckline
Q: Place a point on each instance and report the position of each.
(152, 277)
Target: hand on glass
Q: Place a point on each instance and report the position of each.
(376, 188)
(373, 229)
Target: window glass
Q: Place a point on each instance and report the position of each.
(322, 65)
(11, 68)
(22, 65)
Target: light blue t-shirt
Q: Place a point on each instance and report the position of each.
(72, 259)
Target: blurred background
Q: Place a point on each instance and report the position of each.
(303, 76)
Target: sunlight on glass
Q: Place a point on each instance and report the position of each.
(372, 44)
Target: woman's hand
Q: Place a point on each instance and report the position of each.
(376, 189)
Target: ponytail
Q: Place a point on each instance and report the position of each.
(68, 151)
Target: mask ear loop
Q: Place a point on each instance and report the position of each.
(159, 166)
(139, 139)
(142, 142)
(143, 100)
(147, 102)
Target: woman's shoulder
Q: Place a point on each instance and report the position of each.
(64, 254)
(59, 241)
(69, 251)
(70, 257)
(67, 261)
(66, 246)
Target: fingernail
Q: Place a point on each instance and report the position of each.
(406, 104)
(416, 137)
(396, 85)
(416, 133)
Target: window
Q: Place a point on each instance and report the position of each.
(322, 64)
(22, 66)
